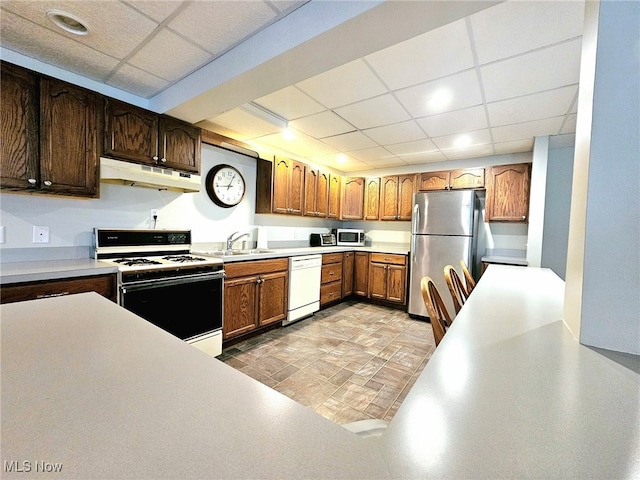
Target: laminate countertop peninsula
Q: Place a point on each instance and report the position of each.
(91, 389)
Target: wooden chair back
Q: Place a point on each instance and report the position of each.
(457, 289)
(440, 319)
(468, 279)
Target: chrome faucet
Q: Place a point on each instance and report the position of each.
(231, 239)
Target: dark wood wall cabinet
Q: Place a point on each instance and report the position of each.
(452, 179)
(396, 197)
(53, 134)
(49, 135)
(255, 295)
(105, 285)
(316, 193)
(352, 198)
(137, 135)
(508, 188)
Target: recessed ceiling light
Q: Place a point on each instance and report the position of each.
(341, 158)
(288, 134)
(439, 99)
(68, 22)
(462, 141)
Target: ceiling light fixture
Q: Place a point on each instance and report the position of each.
(68, 22)
(288, 134)
(439, 99)
(341, 158)
(462, 141)
(266, 115)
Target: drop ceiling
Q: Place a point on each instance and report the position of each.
(357, 79)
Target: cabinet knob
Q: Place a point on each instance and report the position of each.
(163, 160)
(259, 280)
(48, 183)
(524, 217)
(155, 158)
(32, 181)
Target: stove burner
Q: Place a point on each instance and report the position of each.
(183, 258)
(130, 262)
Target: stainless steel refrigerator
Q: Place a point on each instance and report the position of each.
(443, 232)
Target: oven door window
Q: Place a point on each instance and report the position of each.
(184, 308)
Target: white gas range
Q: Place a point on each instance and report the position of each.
(162, 282)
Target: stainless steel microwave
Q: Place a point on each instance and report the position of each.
(349, 236)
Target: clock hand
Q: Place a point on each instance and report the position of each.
(231, 181)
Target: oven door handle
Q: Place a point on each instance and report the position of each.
(147, 284)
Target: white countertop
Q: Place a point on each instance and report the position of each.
(17, 272)
(88, 384)
(509, 393)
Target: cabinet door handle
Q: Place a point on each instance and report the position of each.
(51, 295)
(48, 183)
(32, 181)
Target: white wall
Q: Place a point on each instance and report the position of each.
(71, 221)
(602, 305)
(556, 211)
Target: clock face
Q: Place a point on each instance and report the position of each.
(225, 185)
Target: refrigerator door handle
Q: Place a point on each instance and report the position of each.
(414, 218)
(413, 249)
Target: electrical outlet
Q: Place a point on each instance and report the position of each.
(40, 234)
(153, 216)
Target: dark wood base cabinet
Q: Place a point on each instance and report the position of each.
(105, 285)
(255, 295)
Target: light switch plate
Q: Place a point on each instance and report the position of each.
(40, 234)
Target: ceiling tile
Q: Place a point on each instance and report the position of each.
(435, 54)
(516, 146)
(569, 125)
(158, 10)
(375, 112)
(544, 69)
(320, 125)
(551, 103)
(465, 120)
(284, 5)
(217, 26)
(412, 148)
(370, 155)
(350, 141)
(349, 164)
(423, 157)
(396, 133)
(346, 84)
(137, 81)
(474, 151)
(290, 103)
(304, 145)
(515, 27)
(115, 29)
(185, 57)
(526, 130)
(463, 88)
(388, 163)
(245, 125)
(448, 142)
(27, 38)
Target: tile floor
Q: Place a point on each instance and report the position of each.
(352, 361)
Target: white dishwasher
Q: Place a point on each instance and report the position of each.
(304, 287)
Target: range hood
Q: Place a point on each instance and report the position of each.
(134, 175)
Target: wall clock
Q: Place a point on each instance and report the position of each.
(225, 185)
